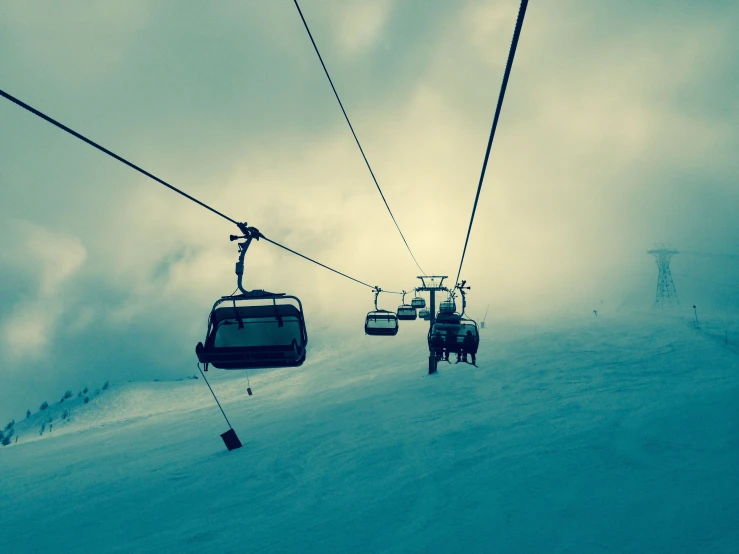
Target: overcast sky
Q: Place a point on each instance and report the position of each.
(619, 131)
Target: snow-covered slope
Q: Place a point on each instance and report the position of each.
(613, 434)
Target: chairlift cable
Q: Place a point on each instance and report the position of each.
(160, 181)
(356, 139)
(316, 262)
(109, 153)
(501, 96)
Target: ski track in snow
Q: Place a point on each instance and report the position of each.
(612, 434)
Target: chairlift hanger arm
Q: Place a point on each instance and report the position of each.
(377, 290)
(250, 233)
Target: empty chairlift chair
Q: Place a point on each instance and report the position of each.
(255, 336)
(424, 314)
(418, 302)
(407, 312)
(381, 322)
(254, 329)
(447, 306)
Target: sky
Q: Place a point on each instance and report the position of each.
(619, 132)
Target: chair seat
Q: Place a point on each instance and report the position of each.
(234, 357)
(381, 331)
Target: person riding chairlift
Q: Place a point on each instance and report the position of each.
(437, 341)
(468, 346)
(451, 344)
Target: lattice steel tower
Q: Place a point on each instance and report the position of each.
(666, 293)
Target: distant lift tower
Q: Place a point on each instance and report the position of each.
(666, 293)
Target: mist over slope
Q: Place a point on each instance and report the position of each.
(613, 433)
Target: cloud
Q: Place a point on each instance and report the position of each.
(359, 24)
(50, 260)
(50, 37)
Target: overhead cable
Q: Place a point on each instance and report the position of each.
(160, 181)
(351, 128)
(501, 96)
(109, 153)
(316, 262)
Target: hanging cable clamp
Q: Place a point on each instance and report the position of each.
(248, 233)
(461, 286)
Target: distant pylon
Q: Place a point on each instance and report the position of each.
(666, 293)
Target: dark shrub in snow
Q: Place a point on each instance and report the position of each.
(44, 405)
(106, 385)
(28, 414)
(87, 399)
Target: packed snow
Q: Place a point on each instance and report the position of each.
(613, 433)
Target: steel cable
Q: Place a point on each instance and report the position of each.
(356, 139)
(501, 96)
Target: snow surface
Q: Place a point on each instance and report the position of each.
(611, 434)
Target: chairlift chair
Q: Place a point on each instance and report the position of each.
(407, 312)
(245, 335)
(254, 329)
(381, 322)
(418, 302)
(424, 314)
(448, 318)
(450, 331)
(450, 336)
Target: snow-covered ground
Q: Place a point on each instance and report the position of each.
(611, 434)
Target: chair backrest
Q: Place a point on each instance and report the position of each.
(381, 320)
(406, 312)
(257, 326)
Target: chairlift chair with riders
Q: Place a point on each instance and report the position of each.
(453, 337)
(380, 322)
(254, 329)
(453, 332)
(406, 312)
